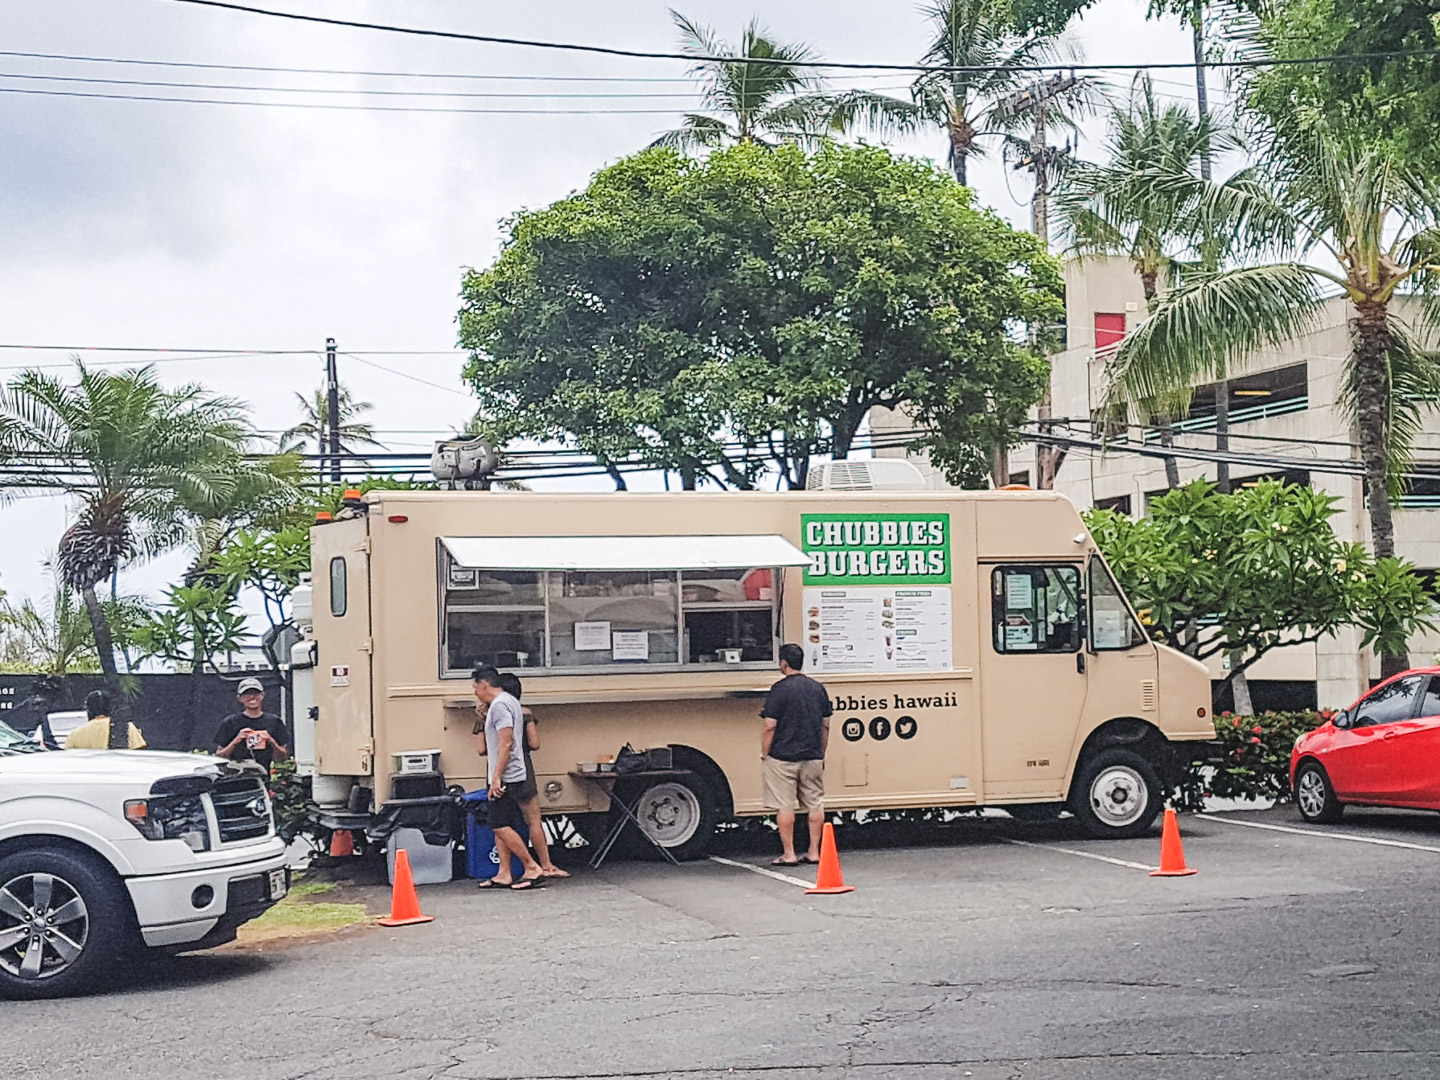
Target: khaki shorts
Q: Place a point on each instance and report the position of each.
(795, 785)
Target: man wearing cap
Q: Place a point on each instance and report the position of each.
(253, 734)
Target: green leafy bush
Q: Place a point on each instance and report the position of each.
(1256, 763)
(289, 795)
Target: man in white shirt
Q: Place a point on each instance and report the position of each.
(503, 744)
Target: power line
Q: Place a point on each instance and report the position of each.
(231, 352)
(639, 54)
(370, 74)
(407, 375)
(691, 95)
(336, 108)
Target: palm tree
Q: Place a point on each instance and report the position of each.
(1344, 213)
(315, 420)
(776, 101)
(981, 101)
(137, 456)
(56, 641)
(1121, 208)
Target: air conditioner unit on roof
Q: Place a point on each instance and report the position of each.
(874, 474)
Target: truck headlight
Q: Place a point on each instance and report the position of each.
(179, 817)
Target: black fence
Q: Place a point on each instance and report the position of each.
(175, 712)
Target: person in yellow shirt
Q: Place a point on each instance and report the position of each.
(94, 734)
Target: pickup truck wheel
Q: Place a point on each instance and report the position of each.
(63, 924)
(679, 814)
(1117, 794)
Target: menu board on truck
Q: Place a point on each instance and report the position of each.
(863, 629)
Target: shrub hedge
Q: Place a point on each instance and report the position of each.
(1256, 762)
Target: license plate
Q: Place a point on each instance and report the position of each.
(279, 884)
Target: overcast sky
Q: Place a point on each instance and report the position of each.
(220, 227)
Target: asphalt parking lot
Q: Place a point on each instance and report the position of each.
(984, 948)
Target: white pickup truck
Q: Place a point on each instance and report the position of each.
(106, 851)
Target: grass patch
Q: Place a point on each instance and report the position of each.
(300, 916)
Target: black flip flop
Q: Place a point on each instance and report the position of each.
(782, 862)
(526, 884)
(489, 883)
(807, 861)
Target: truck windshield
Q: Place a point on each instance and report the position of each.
(12, 742)
(1111, 624)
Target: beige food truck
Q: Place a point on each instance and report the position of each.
(976, 647)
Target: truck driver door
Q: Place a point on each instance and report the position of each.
(1032, 677)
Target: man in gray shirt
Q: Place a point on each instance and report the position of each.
(504, 749)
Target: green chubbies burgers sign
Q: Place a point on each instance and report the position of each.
(876, 549)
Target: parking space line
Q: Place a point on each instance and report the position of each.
(1080, 854)
(1322, 834)
(762, 870)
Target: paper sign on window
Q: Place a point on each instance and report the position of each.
(592, 636)
(630, 645)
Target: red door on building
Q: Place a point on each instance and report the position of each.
(1109, 329)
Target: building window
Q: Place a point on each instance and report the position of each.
(1252, 397)
(1109, 330)
(338, 598)
(1421, 492)
(578, 620)
(1120, 504)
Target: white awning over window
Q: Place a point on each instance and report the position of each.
(622, 552)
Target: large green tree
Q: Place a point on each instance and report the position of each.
(1395, 97)
(138, 457)
(1246, 573)
(712, 317)
(1343, 213)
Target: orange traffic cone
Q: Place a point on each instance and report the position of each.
(341, 843)
(829, 879)
(1172, 852)
(404, 904)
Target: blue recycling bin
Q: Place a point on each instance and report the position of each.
(481, 858)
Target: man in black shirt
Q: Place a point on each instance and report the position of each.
(797, 730)
(253, 734)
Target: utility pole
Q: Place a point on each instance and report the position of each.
(1043, 161)
(332, 410)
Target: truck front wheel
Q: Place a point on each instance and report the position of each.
(63, 923)
(678, 813)
(1117, 794)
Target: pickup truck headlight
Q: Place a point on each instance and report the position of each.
(173, 817)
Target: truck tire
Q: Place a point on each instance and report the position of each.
(1315, 795)
(1117, 794)
(680, 813)
(64, 924)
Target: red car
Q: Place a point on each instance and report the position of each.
(1382, 751)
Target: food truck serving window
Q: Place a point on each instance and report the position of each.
(610, 616)
(1036, 609)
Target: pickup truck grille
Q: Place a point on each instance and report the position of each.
(236, 802)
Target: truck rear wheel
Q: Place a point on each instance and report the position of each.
(1117, 794)
(679, 813)
(63, 924)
